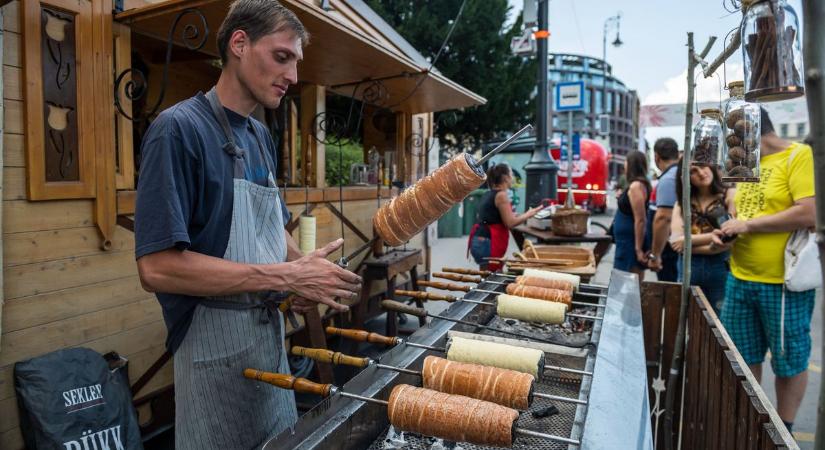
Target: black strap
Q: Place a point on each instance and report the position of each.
(230, 147)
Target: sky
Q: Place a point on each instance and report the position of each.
(653, 59)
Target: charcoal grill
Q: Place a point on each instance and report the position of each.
(347, 424)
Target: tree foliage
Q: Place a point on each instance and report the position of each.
(477, 56)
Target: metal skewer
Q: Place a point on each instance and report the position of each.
(338, 358)
(449, 298)
(375, 338)
(487, 273)
(391, 305)
(463, 288)
(304, 386)
(504, 144)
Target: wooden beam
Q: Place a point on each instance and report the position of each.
(104, 133)
(346, 221)
(126, 202)
(313, 151)
(401, 130)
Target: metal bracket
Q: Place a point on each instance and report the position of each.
(193, 37)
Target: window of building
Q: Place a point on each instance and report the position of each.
(783, 130)
(800, 129)
(598, 102)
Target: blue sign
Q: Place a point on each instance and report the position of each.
(577, 148)
(569, 96)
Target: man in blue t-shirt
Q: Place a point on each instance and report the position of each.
(211, 242)
(662, 259)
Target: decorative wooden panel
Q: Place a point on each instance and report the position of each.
(124, 162)
(57, 39)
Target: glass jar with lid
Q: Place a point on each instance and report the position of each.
(709, 138)
(771, 51)
(741, 158)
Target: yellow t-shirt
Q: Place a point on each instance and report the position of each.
(760, 257)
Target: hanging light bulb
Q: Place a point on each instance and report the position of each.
(771, 51)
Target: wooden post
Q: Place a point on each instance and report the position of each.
(402, 129)
(814, 53)
(106, 189)
(291, 140)
(313, 151)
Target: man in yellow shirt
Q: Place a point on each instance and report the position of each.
(755, 299)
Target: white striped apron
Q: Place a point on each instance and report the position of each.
(215, 406)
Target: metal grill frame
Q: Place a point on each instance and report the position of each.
(340, 423)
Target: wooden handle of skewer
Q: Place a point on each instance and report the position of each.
(285, 381)
(483, 273)
(362, 336)
(456, 277)
(328, 356)
(392, 305)
(286, 304)
(421, 295)
(444, 286)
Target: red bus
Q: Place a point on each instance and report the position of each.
(589, 175)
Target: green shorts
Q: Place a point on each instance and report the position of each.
(752, 314)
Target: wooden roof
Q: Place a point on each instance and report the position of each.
(345, 49)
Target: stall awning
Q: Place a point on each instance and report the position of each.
(338, 55)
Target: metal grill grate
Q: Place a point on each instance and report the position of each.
(560, 424)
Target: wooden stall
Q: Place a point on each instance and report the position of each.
(70, 157)
(721, 404)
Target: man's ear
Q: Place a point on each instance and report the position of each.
(238, 42)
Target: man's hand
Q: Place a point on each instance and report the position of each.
(316, 279)
(716, 238)
(655, 264)
(301, 305)
(734, 227)
(533, 211)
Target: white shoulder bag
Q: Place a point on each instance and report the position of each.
(802, 268)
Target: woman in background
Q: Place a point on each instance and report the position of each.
(491, 233)
(711, 204)
(629, 222)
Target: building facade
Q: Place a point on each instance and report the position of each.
(604, 95)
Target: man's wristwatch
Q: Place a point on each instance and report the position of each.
(652, 257)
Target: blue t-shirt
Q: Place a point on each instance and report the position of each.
(666, 188)
(185, 190)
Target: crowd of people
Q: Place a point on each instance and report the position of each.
(738, 239)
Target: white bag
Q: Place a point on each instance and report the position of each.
(802, 268)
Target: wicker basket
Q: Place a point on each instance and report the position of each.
(570, 222)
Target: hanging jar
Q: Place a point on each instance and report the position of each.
(771, 51)
(708, 138)
(742, 136)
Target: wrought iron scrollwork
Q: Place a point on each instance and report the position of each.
(193, 37)
(331, 129)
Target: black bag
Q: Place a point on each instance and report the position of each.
(71, 400)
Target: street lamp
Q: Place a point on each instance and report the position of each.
(608, 23)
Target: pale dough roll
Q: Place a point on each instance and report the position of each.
(451, 417)
(502, 386)
(306, 227)
(550, 275)
(415, 208)
(540, 293)
(520, 359)
(545, 283)
(530, 310)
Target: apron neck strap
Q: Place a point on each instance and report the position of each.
(229, 146)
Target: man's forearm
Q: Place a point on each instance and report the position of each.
(191, 273)
(661, 230)
(798, 216)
